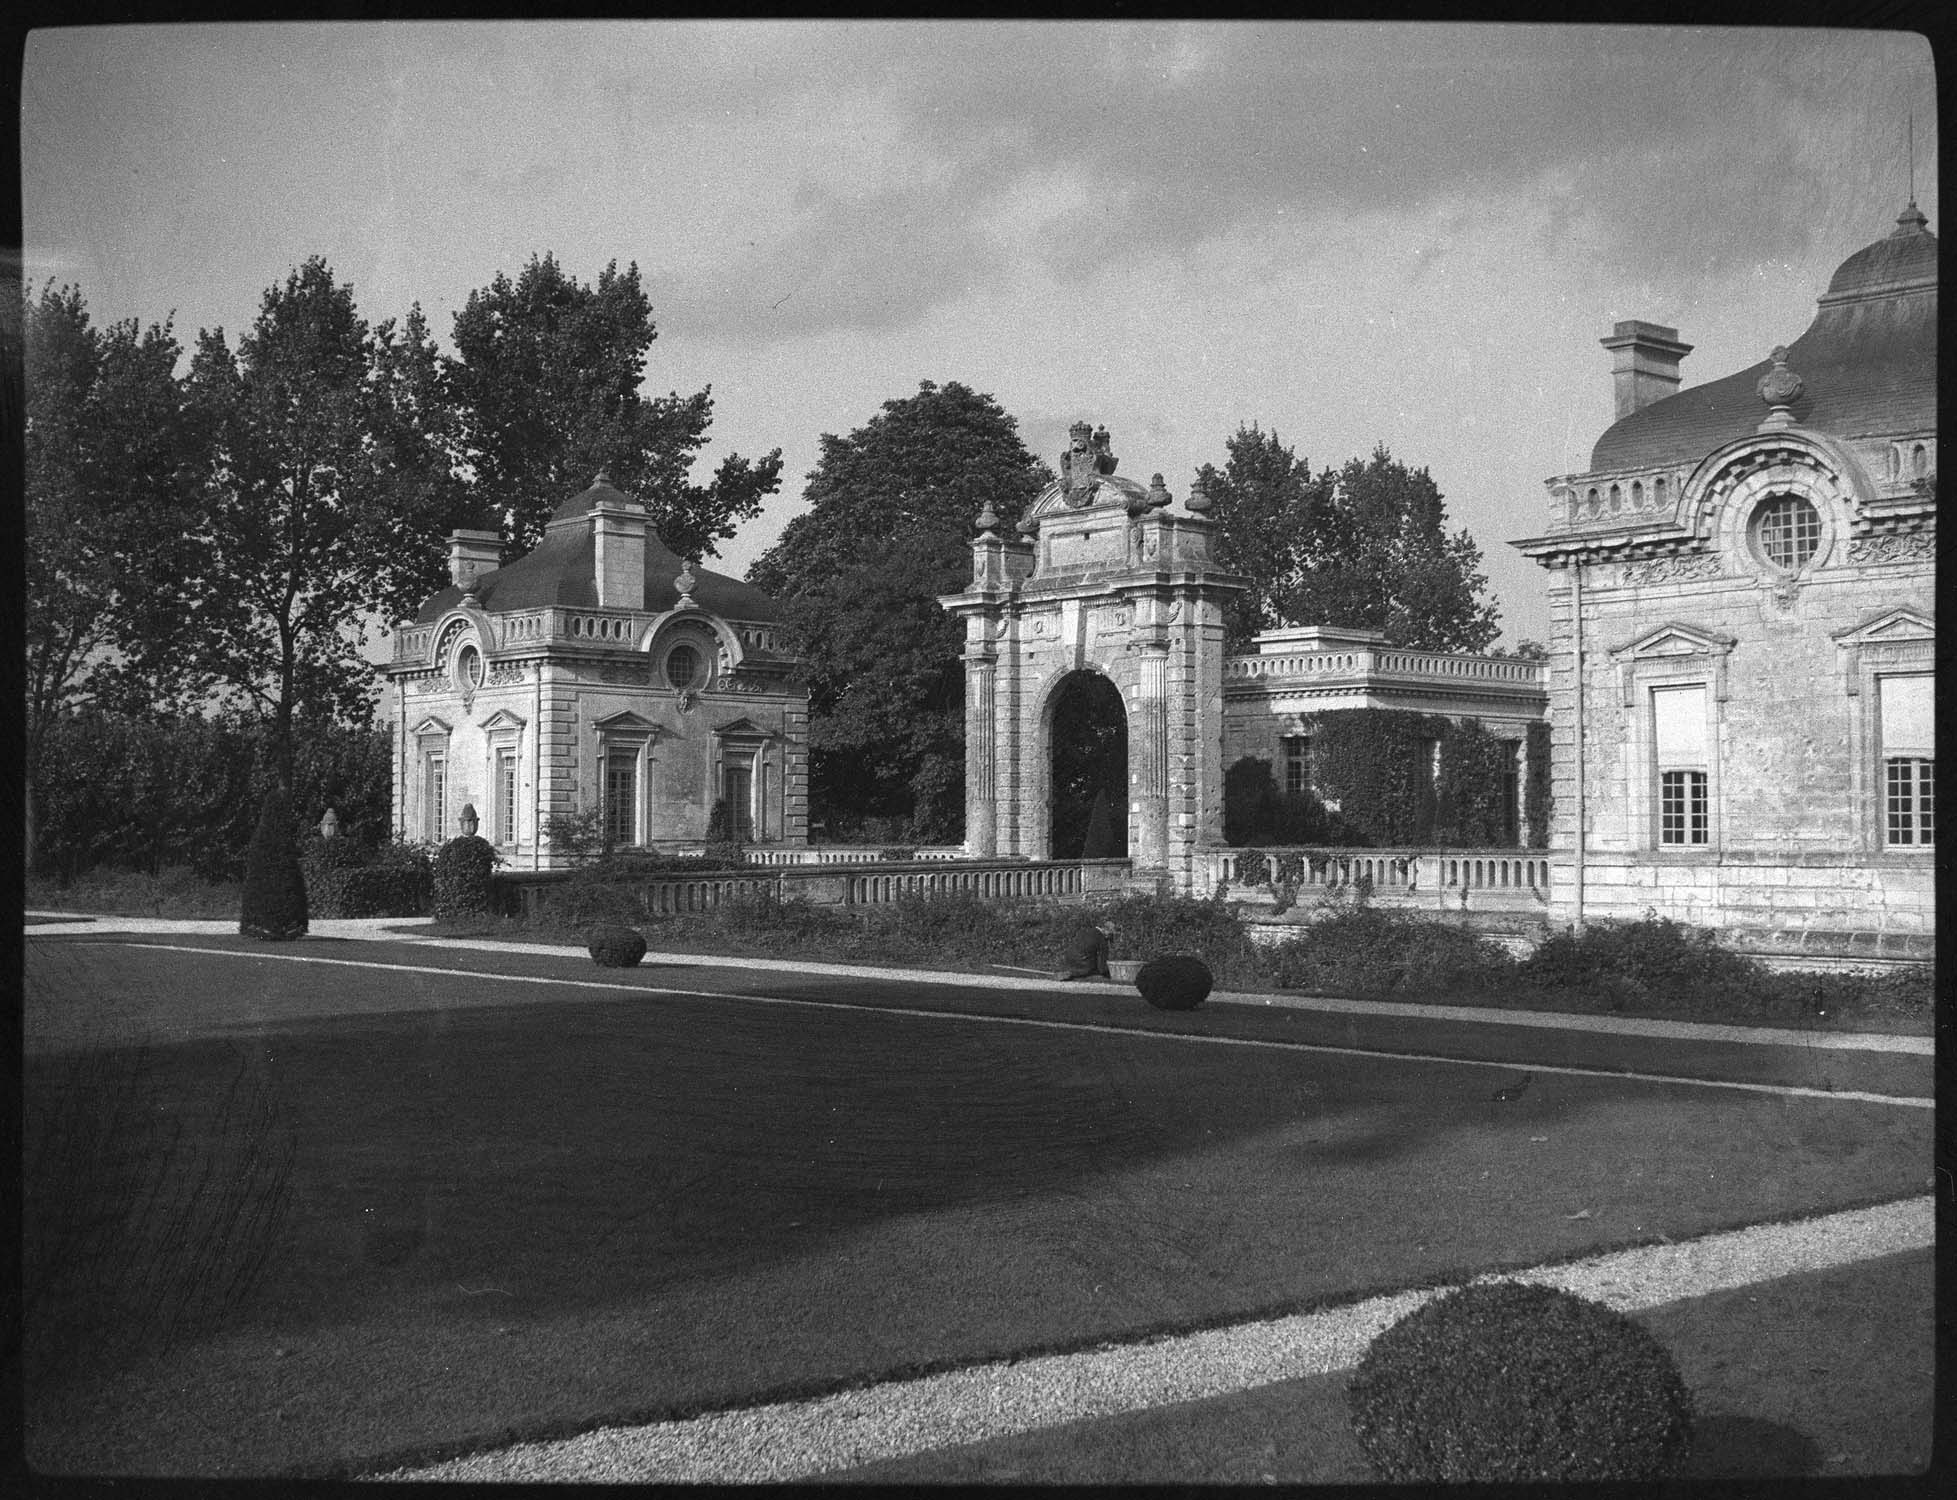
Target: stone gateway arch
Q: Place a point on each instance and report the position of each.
(1109, 576)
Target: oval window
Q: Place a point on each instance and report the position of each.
(1787, 531)
(682, 666)
(468, 668)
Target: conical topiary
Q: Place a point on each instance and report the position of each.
(274, 907)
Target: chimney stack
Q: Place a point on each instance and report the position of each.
(471, 554)
(1644, 363)
(618, 525)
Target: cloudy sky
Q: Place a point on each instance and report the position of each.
(1353, 234)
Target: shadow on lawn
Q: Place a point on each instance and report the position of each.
(146, 1217)
(595, 1150)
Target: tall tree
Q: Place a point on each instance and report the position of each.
(889, 529)
(1271, 512)
(110, 466)
(1364, 546)
(547, 375)
(325, 499)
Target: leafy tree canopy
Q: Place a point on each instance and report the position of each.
(110, 471)
(546, 380)
(887, 531)
(1362, 546)
(326, 491)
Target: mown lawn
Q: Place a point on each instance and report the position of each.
(479, 1211)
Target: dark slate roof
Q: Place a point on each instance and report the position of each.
(1868, 363)
(561, 570)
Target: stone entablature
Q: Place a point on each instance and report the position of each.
(1319, 663)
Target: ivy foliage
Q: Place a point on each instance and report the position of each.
(1374, 785)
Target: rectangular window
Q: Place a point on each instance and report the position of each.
(1909, 766)
(1678, 736)
(1297, 764)
(621, 798)
(506, 797)
(1682, 807)
(1512, 805)
(1910, 793)
(739, 791)
(434, 785)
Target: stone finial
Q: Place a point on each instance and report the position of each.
(1029, 524)
(603, 476)
(988, 519)
(1198, 499)
(684, 582)
(1780, 387)
(1158, 493)
(1104, 460)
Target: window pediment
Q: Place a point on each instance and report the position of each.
(1892, 626)
(432, 728)
(624, 722)
(1675, 638)
(1674, 643)
(503, 720)
(743, 728)
(1896, 636)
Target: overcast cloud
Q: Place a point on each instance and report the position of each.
(1353, 233)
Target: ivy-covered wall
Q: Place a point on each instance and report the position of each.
(1375, 769)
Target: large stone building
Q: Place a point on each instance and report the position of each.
(1743, 629)
(597, 673)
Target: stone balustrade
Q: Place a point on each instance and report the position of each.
(847, 884)
(1409, 876)
(1377, 663)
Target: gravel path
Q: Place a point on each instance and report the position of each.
(802, 1439)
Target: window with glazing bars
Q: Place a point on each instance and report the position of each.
(1297, 764)
(506, 796)
(621, 797)
(1682, 807)
(1910, 800)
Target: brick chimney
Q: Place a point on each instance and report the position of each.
(618, 526)
(471, 554)
(1644, 363)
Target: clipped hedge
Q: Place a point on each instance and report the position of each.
(1504, 1382)
(464, 867)
(615, 947)
(1175, 981)
(347, 879)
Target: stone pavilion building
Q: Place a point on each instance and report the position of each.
(598, 673)
(1743, 630)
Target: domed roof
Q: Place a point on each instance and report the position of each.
(1907, 257)
(561, 570)
(1868, 364)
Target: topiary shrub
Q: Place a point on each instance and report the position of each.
(1507, 1382)
(274, 904)
(615, 947)
(1174, 981)
(463, 869)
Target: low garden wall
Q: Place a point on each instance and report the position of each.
(844, 883)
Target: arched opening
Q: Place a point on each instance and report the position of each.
(1090, 769)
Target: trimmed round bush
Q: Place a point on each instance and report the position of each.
(463, 868)
(615, 947)
(1507, 1382)
(1175, 981)
(274, 905)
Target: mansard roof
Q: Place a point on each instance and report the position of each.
(562, 570)
(1868, 365)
